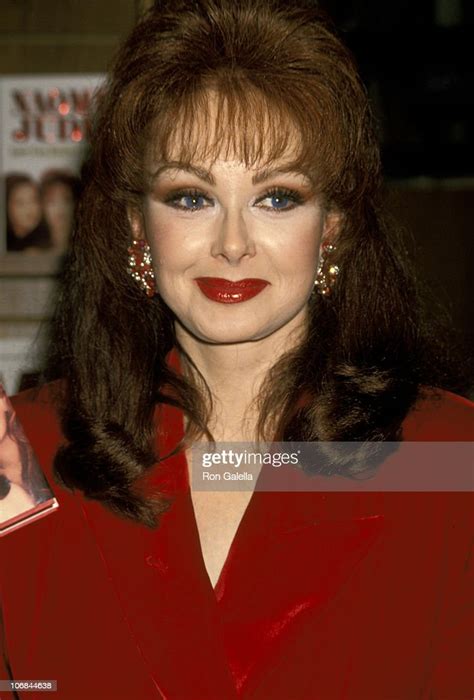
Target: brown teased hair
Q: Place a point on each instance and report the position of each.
(276, 68)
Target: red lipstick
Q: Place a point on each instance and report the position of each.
(228, 292)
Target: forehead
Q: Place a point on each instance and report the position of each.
(56, 188)
(24, 188)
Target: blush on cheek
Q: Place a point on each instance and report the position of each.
(167, 243)
(300, 261)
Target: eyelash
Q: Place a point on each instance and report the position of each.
(295, 197)
(173, 198)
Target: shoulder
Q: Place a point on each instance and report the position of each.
(439, 415)
(42, 404)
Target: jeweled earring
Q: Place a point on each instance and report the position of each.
(140, 266)
(327, 272)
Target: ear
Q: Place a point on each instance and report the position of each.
(137, 225)
(332, 226)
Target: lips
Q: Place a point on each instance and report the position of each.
(229, 292)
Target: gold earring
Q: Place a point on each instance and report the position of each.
(140, 266)
(327, 272)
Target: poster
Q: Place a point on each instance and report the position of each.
(44, 126)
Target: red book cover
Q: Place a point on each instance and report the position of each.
(25, 494)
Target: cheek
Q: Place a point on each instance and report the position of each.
(173, 249)
(296, 254)
(15, 209)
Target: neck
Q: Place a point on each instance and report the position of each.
(235, 372)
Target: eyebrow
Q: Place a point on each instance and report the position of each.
(202, 173)
(267, 173)
(207, 176)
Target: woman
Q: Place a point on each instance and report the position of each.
(230, 277)
(59, 190)
(25, 228)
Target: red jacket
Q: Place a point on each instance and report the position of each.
(323, 595)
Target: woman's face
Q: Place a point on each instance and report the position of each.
(24, 208)
(235, 250)
(58, 207)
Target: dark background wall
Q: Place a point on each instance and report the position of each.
(48, 36)
(415, 60)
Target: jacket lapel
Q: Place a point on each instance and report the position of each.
(161, 584)
(292, 557)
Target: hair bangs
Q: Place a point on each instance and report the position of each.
(231, 120)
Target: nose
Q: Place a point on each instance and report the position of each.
(233, 240)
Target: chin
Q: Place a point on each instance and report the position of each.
(231, 334)
(228, 337)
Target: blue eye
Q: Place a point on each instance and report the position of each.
(191, 201)
(280, 200)
(188, 200)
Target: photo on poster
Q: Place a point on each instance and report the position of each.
(44, 126)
